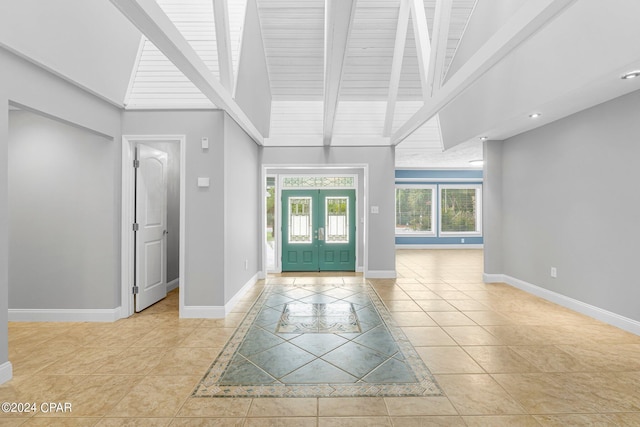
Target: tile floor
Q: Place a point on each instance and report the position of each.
(501, 356)
(311, 339)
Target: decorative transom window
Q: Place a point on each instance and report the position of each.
(318, 182)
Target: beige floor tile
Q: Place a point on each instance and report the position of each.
(487, 318)
(84, 361)
(12, 422)
(416, 406)
(421, 336)
(478, 394)
(95, 395)
(281, 422)
(231, 320)
(351, 407)
(155, 396)
(284, 407)
(549, 358)
(576, 420)
(177, 361)
(134, 422)
(412, 318)
(62, 422)
(448, 360)
(208, 337)
(131, 361)
(471, 335)
(430, 305)
(355, 422)
(606, 357)
(429, 421)
(499, 359)
(501, 421)
(208, 422)
(395, 305)
(215, 407)
(451, 318)
(423, 294)
(467, 305)
(164, 337)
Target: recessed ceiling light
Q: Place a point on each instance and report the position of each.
(630, 75)
(484, 138)
(479, 162)
(535, 115)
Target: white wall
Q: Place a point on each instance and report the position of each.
(570, 200)
(204, 219)
(253, 93)
(23, 83)
(62, 207)
(242, 201)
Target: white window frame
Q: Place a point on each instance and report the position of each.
(478, 232)
(434, 208)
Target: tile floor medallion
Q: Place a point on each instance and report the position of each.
(318, 341)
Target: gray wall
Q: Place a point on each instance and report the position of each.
(492, 206)
(173, 206)
(26, 84)
(204, 217)
(253, 89)
(61, 213)
(241, 208)
(381, 227)
(570, 200)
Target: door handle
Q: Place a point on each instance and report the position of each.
(321, 233)
(165, 232)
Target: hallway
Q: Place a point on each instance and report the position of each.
(500, 356)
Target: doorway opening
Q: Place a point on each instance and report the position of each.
(314, 218)
(153, 216)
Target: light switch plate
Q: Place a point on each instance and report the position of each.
(205, 143)
(203, 182)
(375, 209)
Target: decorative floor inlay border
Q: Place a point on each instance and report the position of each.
(263, 359)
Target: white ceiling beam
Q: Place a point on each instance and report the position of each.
(337, 26)
(530, 18)
(151, 20)
(223, 43)
(396, 66)
(439, 44)
(423, 44)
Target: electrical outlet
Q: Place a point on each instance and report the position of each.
(246, 264)
(554, 272)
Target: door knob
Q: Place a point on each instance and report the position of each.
(165, 232)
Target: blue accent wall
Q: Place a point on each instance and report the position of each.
(438, 177)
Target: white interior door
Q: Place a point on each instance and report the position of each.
(151, 217)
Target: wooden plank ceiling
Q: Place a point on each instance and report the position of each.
(294, 32)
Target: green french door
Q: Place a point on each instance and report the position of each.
(318, 230)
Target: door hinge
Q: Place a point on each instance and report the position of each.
(136, 227)
(135, 290)
(136, 163)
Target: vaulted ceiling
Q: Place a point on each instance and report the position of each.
(423, 74)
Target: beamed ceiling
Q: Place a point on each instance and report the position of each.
(425, 75)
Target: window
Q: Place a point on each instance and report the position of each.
(415, 213)
(460, 209)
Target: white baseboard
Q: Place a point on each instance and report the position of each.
(64, 315)
(6, 372)
(234, 299)
(629, 325)
(380, 274)
(202, 312)
(217, 311)
(175, 283)
(440, 246)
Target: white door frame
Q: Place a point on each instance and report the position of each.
(127, 242)
(269, 170)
